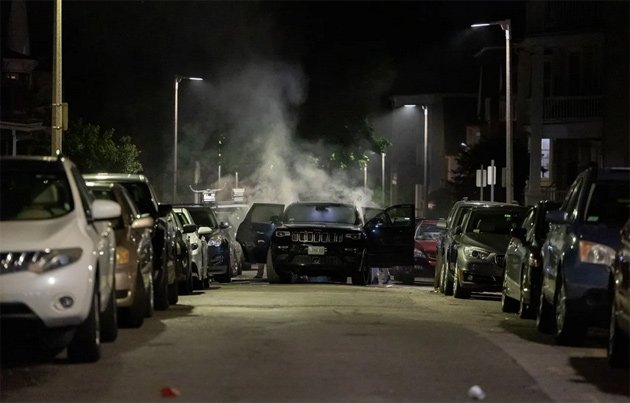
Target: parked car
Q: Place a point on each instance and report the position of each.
(57, 249)
(523, 262)
(224, 261)
(331, 239)
(134, 256)
(165, 290)
(255, 231)
(618, 350)
(577, 255)
(426, 239)
(198, 246)
(479, 252)
(446, 246)
(177, 231)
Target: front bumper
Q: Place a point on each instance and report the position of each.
(480, 276)
(333, 260)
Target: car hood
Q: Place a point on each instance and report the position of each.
(322, 225)
(41, 234)
(494, 242)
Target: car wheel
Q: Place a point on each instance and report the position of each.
(448, 284)
(186, 287)
(173, 293)
(440, 276)
(149, 308)
(109, 318)
(508, 304)
(524, 308)
(569, 330)
(133, 316)
(544, 318)
(617, 350)
(458, 291)
(362, 275)
(160, 296)
(272, 275)
(227, 276)
(86, 343)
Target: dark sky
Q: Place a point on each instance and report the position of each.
(120, 57)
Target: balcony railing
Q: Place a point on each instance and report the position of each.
(571, 109)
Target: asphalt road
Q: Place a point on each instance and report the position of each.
(254, 342)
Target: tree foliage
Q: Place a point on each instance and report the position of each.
(98, 150)
(360, 141)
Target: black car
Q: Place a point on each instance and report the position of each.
(523, 262)
(479, 252)
(618, 350)
(580, 248)
(165, 292)
(255, 231)
(331, 239)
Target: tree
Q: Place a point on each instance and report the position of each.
(96, 150)
(359, 141)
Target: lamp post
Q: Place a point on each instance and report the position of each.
(509, 175)
(425, 180)
(178, 79)
(383, 178)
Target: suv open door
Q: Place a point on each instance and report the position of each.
(390, 237)
(255, 231)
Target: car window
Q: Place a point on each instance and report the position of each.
(331, 213)
(203, 217)
(30, 195)
(496, 222)
(182, 217)
(428, 232)
(141, 195)
(262, 214)
(608, 202)
(571, 201)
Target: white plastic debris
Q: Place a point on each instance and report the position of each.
(476, 393)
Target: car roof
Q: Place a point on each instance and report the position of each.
(116, 177)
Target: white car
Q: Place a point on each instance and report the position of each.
(198, 245)
(57, 257)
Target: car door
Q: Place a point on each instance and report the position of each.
(255, 231)
(390, 237)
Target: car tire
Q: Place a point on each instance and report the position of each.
(617, 351)
(133, 316)
(109, 318)
(508, 304)
(173, 293)
(448, 284)
(525, 310)
(440, 275)
(544, 318)
(86, 343)
(458, 291)
(362, 275)
(160, 296)
(149, 298)
(569, 330)
(272, 275)
(186, 287)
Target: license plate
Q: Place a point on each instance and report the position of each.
(316, 250)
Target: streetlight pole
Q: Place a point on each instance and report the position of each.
(506, 25)
(425, 180)
(178, 79)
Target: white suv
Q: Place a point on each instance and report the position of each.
(57, 257)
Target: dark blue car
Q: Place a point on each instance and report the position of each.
(580, 248)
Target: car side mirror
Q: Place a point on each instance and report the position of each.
(204, 230)
(142, 222)
(441, 224)
(188, 228)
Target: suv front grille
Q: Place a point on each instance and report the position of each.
(500, 260)
(317, 237)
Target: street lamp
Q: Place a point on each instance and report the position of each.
(509, 183)
(425, 180)
(177, 81)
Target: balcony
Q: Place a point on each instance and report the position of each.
(571, 109)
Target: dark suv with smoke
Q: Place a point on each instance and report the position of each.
(331, 239)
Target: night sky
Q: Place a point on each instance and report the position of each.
(120, 58)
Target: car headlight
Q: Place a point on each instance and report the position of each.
(596, 253)
(122, 255)
(215, 241)
(53, 259)
(355, 236)
(282, 233)
(475, 253)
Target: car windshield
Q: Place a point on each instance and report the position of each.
(33, 193)
(232, 215)
(141, 195)
(496, 222)
(327, 213)
(428, 231)
(203, 217)
(608, 203)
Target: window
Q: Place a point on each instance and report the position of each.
(545, 158)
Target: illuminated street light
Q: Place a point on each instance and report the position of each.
(509, 174)
(177, 81)
(425, 180)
